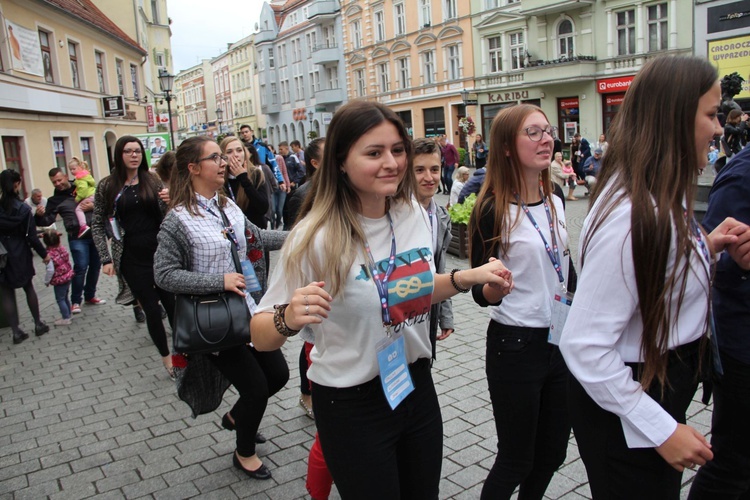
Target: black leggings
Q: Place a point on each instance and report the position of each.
(10, 307)
(257, 376)
(140, 279)
(304, 383)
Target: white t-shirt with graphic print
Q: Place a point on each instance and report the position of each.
(345, 352)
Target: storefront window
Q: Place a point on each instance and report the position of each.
(434, 122)
(611, 105)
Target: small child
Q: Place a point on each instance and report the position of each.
(85, 189)
(567, 169)
(62, 275)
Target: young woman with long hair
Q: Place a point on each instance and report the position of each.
(18, 236)
(245, 179)
(518, 219)
(359, 270)
(194, 256)
(127, 206)
(638, 326)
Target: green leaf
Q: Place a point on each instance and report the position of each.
(461, 212)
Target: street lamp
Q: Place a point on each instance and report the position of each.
(310, 116)
(166, 81)
(464, 96)
(219, 116)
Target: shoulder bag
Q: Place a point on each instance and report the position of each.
(211, 322)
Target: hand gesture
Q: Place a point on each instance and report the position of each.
(108, 269)
(164, 195)
(40, 210)
(236, 166)
(727, 233)
(309, 304)
(685, 448)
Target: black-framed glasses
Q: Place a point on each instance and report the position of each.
(216, 158)
(536, 133)
(132, 152)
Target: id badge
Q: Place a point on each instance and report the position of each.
(115, 228)
(251, 279)
(561, 303)
(394, 370)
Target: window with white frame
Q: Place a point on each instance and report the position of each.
(314, 82)
(495, 53)
(312, 40)
(299, 88)
(509, 2)
(359, 77)
(379, 25)
(399, 18)
(449, 9)
(658, 36)
(285, 91)
(329, 36)
(120, 76)
(75, 70)
(383, 77)
(263, 100)
(261, 60)
(271, 60)
(282, 55)
(565, 43)
(517, 51)
(332, 76)
(626, 32)
(160, 60)
(428, 67)
(100, 71)
(356, 34)
(404, 79)
(453, 59)
(491, 4)
(45, 43)
(274, 94)
(425, 12)
(296, 50)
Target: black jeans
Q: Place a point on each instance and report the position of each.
(727, 476)
(528, 383)
(616, 471)
(141, 282)
(257, 376)
(374, 452)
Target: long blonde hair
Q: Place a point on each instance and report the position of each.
(337, 206)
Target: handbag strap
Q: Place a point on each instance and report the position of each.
(235, 255)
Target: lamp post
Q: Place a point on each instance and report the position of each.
(166, 81)
(219, 116)
(310, 116)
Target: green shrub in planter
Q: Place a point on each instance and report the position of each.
(462, 157)
(461, 212)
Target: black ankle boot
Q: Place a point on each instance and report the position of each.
(19, 336)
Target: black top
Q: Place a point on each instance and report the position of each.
(140, 223)
(18, 236)
(63, 202)
(257, 198)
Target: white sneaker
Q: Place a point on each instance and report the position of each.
(63, 322)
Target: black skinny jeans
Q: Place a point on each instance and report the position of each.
(10, 306)
(377, 453)
(257, 376)
(528, 383)
(140, 279)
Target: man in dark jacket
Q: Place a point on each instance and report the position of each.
(86, 263)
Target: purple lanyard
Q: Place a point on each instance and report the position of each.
(226, 226)
(231, 191)
(119, 195)
(382, 283)
(698, 236)
(554, 252)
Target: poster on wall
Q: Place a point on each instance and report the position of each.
(155, 145)
(730, 55)
(25, 51)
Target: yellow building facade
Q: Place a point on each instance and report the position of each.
(70, 84)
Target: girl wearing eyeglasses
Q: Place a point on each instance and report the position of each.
(194, 256)
(127, 209)
(519, 220)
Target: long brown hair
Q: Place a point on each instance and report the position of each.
(504, 177)
(148, 185)
(337, 204)
(254, 172)
(181, 192)
(652, 161)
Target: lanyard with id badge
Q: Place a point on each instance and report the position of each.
(562, 299)
(391, 351)
(251, 279)
(116, 233)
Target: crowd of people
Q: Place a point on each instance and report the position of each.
(612, 346)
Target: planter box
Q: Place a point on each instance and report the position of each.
(459, 245)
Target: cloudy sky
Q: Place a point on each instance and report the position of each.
(202, 29)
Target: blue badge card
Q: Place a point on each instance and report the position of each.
(394, 370)
(561, 303)
(251, 279)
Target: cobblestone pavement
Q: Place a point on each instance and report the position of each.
(88, 411)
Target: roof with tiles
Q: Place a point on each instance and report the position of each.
(87, 12)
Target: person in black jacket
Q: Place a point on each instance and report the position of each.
(18, 236)
(86, 263)
(245, 181)
(314, 154)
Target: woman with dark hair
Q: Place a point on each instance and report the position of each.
(164, 167)
(313, 156)
(18, 236)
(518, 219)
(359, 271)
(245, 181)
(735, 132)
(639, 323)
(195, 257)
(127, 203)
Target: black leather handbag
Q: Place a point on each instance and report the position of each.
(211, 322)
